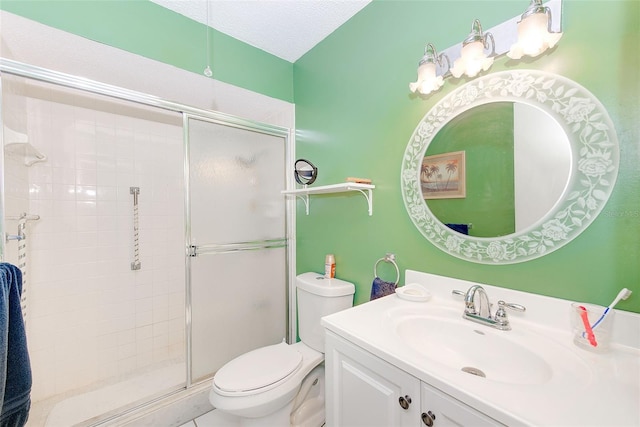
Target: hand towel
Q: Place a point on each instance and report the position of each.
(15, 367)
(380, 288)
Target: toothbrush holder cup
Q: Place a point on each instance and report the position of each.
(600, 327)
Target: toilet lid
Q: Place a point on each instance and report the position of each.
(258, 368)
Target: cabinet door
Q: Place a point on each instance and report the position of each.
(445, 411)
(363, 390)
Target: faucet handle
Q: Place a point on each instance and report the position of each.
(501, 314)
(458, 293)
(511, 305)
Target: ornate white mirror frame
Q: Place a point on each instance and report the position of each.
(594, 165)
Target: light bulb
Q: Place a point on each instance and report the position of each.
(472, 60)
(427, 80)
(533, 37)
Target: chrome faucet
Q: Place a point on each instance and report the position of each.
(480, 308)
(477, 308)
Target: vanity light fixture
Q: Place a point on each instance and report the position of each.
(528, 34)
(428, 78)
(534, 32)
(473, 58)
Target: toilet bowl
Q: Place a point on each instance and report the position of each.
(282, 385)
(264, 382)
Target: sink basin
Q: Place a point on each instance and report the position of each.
(514, 357)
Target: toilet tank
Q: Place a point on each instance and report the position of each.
(318, 297)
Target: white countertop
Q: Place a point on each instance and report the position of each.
(600, 389)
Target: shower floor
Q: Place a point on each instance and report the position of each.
(69, 410)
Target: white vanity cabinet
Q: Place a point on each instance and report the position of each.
(467, 374)
(364, 390)
(445, 411)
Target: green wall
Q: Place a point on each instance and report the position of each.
(355, 115)
(146, 29)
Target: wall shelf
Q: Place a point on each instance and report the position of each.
(364, 189)
(17, 144)
(25, 151)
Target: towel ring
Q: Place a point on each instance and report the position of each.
(391, 258)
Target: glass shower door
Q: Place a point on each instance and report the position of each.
(236, 242)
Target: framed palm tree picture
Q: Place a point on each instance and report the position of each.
(442, 176)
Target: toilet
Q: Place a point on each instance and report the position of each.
(282, 385)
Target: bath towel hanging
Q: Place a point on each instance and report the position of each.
(15, 368)
(379, 287)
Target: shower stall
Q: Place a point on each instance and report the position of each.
(153, 239)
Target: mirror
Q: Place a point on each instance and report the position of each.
(517, 165)
(305, 172)
(590, 144)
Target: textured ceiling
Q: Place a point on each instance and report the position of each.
(285, 28)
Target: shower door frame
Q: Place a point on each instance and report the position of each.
(231, 247)
(21, 69)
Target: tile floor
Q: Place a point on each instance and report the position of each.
(212, 419)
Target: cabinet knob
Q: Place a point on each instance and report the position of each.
(428, 418)
(404, 402)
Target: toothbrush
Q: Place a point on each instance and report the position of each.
(623, 294)
(587, 326)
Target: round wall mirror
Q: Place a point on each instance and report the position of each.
(509, 167)
(304, 172)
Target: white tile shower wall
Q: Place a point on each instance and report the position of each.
(93, 318)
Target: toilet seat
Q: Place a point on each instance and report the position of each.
(258, 370)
